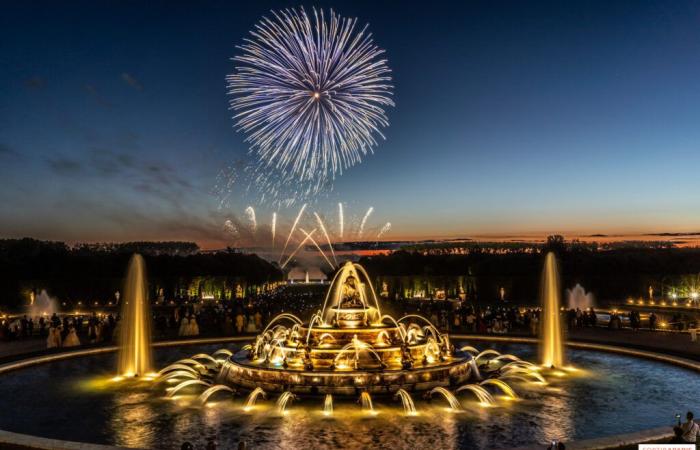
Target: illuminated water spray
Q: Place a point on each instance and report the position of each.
(551, 340)
(328, 405)
(328, 238)
(294, 227)
(301, 244)
(318, 247)
(135, 357)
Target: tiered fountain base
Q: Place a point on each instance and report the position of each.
(238, 370)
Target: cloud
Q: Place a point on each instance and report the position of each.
(35, 82)
(131, 81)
(64, 166)
(97, 96)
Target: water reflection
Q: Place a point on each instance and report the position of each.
(132, 420)
(134, 414)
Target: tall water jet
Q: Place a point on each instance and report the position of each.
(42, 304)
(551, 339)
(135, 358)
(328, 405)
(579, 298)
(291, 232)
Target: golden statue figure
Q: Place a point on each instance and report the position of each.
(350, 294)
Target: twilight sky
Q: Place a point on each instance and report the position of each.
(510, 118)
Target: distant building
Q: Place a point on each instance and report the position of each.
(306, 275)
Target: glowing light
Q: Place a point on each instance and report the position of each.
(341, 220)
(552, 351)
(135, 332)
(364, 222)
(385, 229)
(250, 212)
(273, 228)
(309, 93)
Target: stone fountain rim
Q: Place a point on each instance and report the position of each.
(37, 442)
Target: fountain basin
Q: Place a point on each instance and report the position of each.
(240, 371)
(614, 399)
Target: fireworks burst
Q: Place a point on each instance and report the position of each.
(309, 92)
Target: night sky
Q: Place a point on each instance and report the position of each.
(511, 117)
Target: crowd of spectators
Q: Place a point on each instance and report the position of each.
(182, 317)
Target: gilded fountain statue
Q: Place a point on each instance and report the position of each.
(349, 348)
(346, 347)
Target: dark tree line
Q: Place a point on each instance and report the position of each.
(97, 272)
(611, 274)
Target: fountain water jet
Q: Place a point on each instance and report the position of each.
(177, 366)
(484, 397)
(252, 398)
(284, 399)
(177, 375)
(451, 399)
(135, 357)
(579, 298)
(328, 405)
(184, 384)
(348, 342)
(551, 339)
(503, 386)
(408, 406)
(42, 304)
(366, 401)
(210, 391)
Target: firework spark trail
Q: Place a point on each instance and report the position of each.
(274, 228)
(298, 247)
(318, 247)
(250, 212)
(364, 222)
(294, 227)
(385, 229)
(328, 238)
(309, 93)
(341, 219)
(224, 185)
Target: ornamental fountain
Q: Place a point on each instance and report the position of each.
(134, 357)
(348, 347)
(351, 349)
